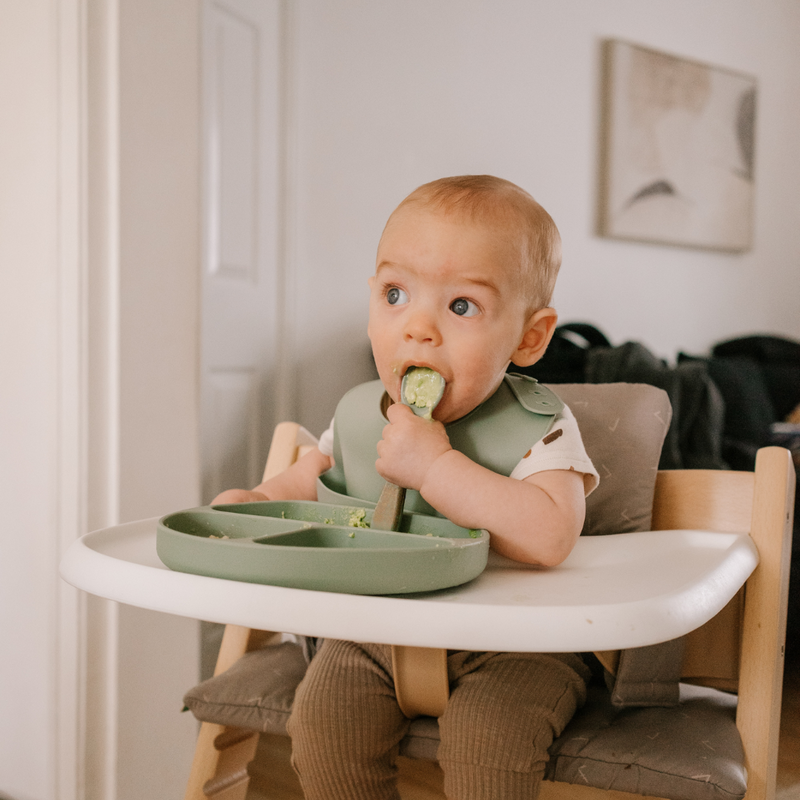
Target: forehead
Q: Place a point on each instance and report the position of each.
(422, 239)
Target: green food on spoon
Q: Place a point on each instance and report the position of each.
(422, 389)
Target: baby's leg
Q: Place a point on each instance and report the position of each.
(346, 725)
(502, 718)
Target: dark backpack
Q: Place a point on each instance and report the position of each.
(565, 358)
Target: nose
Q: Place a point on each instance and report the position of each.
(421, 326)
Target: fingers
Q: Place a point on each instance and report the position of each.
(398, 411)
(410, 444)
(231, 496)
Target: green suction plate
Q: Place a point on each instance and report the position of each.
(310, 545)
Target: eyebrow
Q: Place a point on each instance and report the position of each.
(475, 281)
(388, 264)
(492, 287)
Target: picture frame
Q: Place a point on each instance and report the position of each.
(677, 150)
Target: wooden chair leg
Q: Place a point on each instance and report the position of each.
(764, 629)
(219, 768)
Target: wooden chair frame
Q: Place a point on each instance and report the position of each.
(748, 636)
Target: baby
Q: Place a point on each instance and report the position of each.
(465, 271)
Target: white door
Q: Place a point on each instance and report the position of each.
(240, 286)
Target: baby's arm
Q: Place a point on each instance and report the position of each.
(298, 482)
(536, 520)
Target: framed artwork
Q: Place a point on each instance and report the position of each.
(677, 151)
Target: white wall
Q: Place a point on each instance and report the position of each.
(29, 323)
(389, 95)
(99, 275)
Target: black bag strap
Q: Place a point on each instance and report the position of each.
(592, 336)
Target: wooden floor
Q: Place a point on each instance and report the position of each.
(273, 778)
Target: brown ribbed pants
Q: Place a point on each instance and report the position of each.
(504, 711)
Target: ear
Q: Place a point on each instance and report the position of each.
(536, 336)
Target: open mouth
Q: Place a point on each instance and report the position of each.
(418, 365)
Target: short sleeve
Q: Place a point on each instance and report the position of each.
(325, 444)
(561, 448)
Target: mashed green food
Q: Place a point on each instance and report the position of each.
(422, 387)
(357, 519)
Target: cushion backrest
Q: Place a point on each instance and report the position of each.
(623, 426)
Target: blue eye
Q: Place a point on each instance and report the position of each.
(396, 296)
(463, 307)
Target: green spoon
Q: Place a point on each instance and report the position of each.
(421, 389)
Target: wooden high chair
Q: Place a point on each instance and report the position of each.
(740, 650)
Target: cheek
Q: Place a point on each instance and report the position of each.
(481, 369)
(382, 352)
(480, 353)
(376, 330)
(377, 335)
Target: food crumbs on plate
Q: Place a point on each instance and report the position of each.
(357, 518)
(352, 535)
(473, 534)
(328, 521)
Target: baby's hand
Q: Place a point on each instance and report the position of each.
(238, 496)
(409, 447)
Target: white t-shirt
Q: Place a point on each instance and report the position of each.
(562, 448)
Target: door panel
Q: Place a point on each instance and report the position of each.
(240, 285)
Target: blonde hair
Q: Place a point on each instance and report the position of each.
(501, 204)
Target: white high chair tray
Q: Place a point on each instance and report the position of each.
(613, 592)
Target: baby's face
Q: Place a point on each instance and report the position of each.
(444, 296)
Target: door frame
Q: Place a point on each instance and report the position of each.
(94, 461)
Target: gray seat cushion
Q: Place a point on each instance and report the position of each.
(689, 752)
(256, 693)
